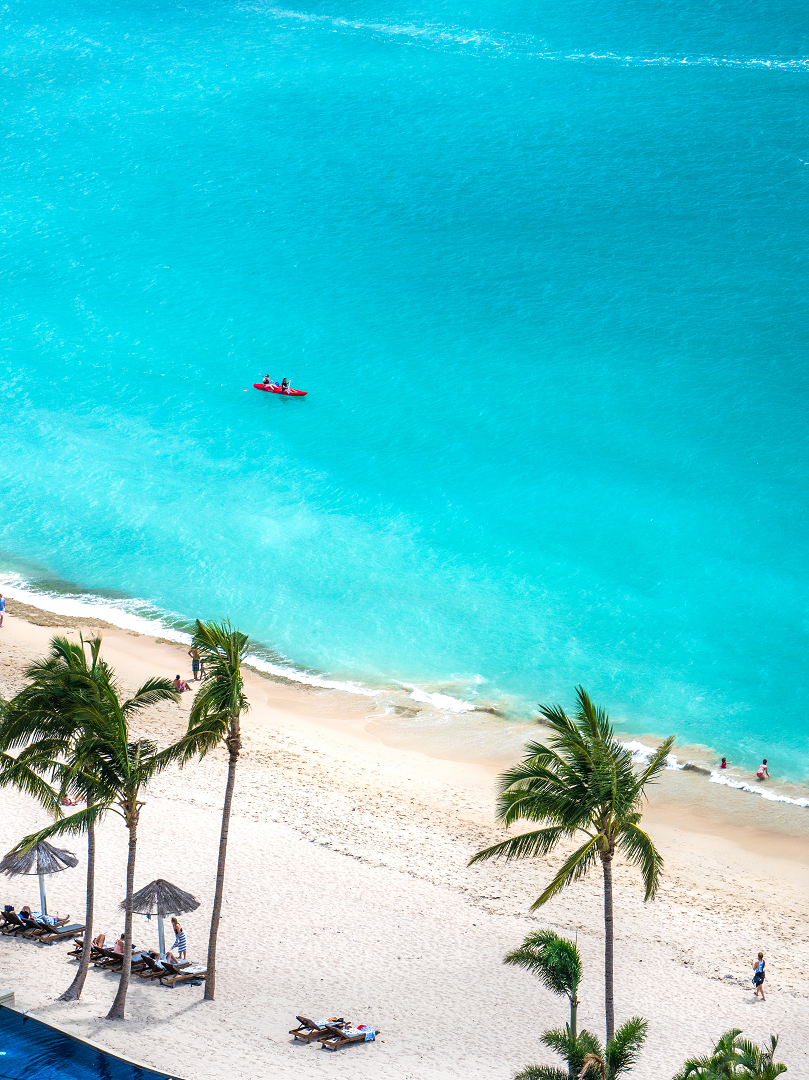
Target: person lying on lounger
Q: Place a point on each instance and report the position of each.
(52, 920)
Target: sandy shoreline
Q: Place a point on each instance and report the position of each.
(348, 892)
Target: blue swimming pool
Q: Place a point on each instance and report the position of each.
(32, 1050)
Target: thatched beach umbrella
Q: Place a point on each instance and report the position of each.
(161, 898)
(41, 859)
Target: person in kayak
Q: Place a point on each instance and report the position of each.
(285, 386)
(266, 381)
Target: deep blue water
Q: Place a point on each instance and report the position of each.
(30, 1050)
(542, 269)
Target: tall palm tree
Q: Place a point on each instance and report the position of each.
(582, 782)
(125, 766)
(585, 1057)
(734, 1057)
(556, 963)
(215, 720)
(40, 720)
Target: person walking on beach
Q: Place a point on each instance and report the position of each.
(758, 975)
(763, 772)
(2, 608)
(194, 654)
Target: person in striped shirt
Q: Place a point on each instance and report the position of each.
(179, 947)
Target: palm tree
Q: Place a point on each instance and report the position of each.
(215, 720)
(585, 1056)
(124, 766)
(556, 963)
(40, 720)
(734, 1056)
(583, 781)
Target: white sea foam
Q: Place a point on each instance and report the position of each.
(496, 42)
(642, 755)
(441, 701)
(124, 613)
(760, 789)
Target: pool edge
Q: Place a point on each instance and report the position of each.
(89, 1042)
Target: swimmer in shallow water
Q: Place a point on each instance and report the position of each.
(763, 772)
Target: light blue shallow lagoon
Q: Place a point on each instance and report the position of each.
(542, 271)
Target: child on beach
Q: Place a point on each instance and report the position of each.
(763, 772)
(758, 975)
(179, 685)
(725, 763)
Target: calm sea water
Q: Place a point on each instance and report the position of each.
(542, 269)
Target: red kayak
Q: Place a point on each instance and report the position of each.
(273, 388)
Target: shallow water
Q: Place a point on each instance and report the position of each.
(542, 272)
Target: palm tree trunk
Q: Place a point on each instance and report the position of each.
(210, 979)
(574, 1012)
(117, 1010)
(609, 1002)
(73, 992)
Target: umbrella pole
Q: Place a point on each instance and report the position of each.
(43, 906)
(160, 937)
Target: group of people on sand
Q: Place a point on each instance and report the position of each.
(763, 772)
(197, 667)
(176, 953)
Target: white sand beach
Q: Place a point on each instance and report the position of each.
(348, 894)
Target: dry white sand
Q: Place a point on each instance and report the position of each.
(348, 894)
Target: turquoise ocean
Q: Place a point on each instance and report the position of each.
(542, 271)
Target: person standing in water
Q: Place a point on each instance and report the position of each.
(758, 975)
(725, 763)
(763, 772)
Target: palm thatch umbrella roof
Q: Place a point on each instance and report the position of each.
(160, 897)
(43, 858)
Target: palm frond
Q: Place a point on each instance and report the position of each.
(152, 692)
(541, 1072)
(71, 825)
(553, 959)
(638, 847)
(592, 718)
(657, 763)
(625, 1046)
(27, 778)
(203, 737)
(524, 846)
(574, 867)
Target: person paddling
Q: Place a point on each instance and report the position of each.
(266, 381)
(285, 386)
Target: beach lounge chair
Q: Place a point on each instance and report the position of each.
(174, 974)
(335, 1037)
(13, 924)
(34, 928)
(308, 1030)
(151, 969)
(59, 933)
(95, 952)
(116, 962)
